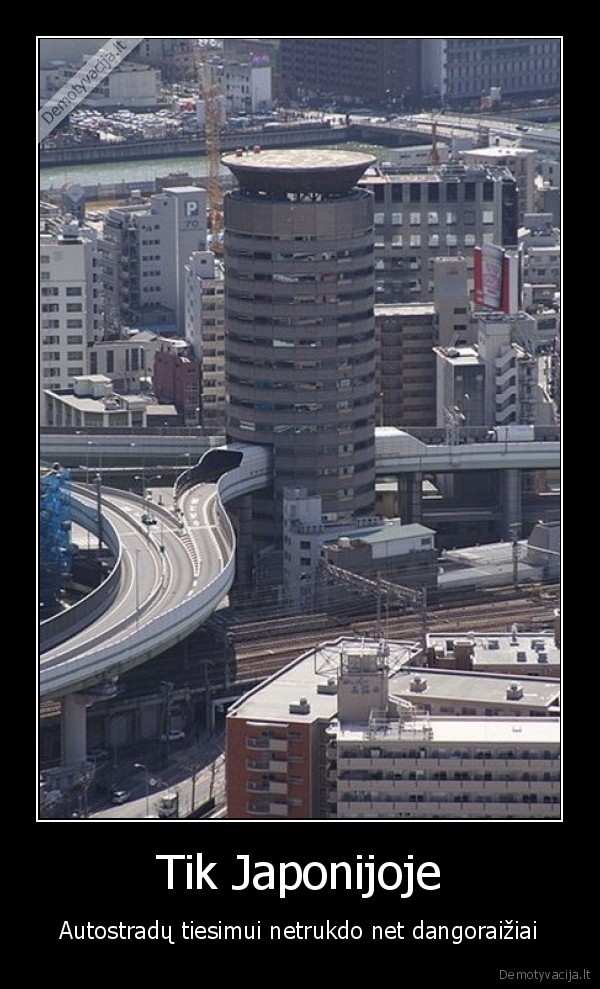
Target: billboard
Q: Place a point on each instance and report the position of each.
(497, 280)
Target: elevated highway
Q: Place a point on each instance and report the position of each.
(400, 455)
(396, 451)
(454, 125)
(155, 596)
(160, 595)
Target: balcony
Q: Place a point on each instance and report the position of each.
(268, 745)
(266, 809)
(491, 809)
(267, 786)
(278, 744)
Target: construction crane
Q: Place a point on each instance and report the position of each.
(209, 92)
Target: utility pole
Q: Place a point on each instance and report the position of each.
(194, 771)
(213, 771)
(141, 765)
(99, 507)
(424, 619)
(515, 529)
(137, 589)
(166, 687)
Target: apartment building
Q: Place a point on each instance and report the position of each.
(176, 379)
(498, 380)
(445, 769)
(405, 336)
(350, 731)
(205, 332)
(145, 249)
(70, 304)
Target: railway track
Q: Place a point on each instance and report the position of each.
(261, 649)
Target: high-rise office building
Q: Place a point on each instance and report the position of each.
(444, 211)
(370, 70)
(458, 69)
(299, 323)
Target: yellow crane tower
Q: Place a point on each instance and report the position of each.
(209, 92)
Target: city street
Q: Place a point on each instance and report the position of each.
(195, 773)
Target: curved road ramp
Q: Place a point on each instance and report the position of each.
(168, 578)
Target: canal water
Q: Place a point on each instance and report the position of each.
(110, 173)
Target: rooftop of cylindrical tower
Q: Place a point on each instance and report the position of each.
(301, 170)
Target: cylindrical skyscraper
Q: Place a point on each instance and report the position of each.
(299, 322)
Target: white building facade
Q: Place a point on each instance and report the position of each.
(522, 162)
(205, 331)
(501, 379)
(71, 317)
(246, 87)
(129, 84)
(146, 249)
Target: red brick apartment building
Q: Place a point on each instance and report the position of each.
(177, 380)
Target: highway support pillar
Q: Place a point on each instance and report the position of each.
(412, 510)
(74, 735)
(512, 509)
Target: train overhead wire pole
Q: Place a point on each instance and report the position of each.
(407, 596)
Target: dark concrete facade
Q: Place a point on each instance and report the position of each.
(405, 336)
(299, 324)
(385, 71)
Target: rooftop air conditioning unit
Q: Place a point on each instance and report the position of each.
(514, 692)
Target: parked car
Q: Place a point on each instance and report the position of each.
(173, 735)
(148, 519)
(118, 796)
